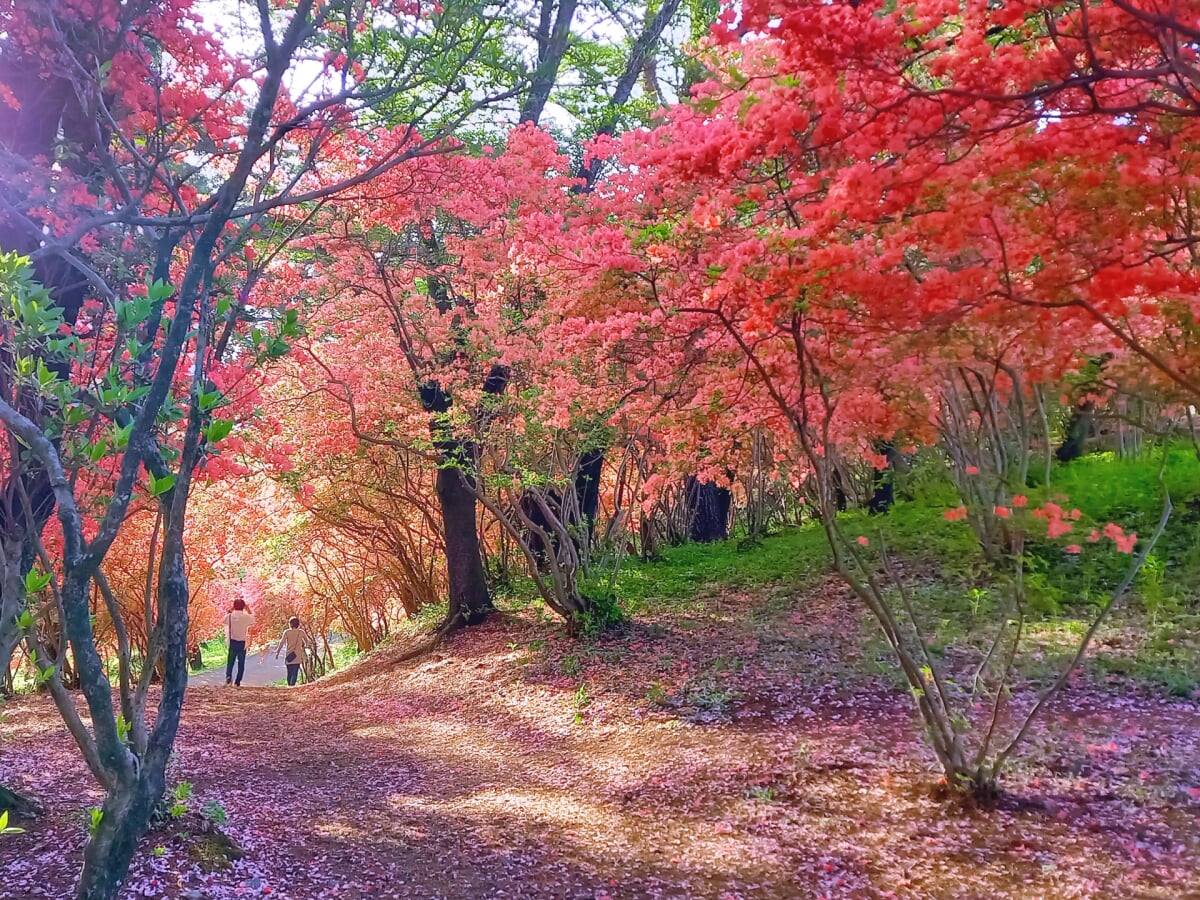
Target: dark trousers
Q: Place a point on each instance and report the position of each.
(293, 672)
(237, 652)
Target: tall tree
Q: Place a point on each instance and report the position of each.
(562, 53)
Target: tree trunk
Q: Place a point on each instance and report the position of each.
(883, 494)
(708, 504)
(1079, 429)
(110, 848)
(587, 488)
(17, 805)
(470, 601)
(11, 601)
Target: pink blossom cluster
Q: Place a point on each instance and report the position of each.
(1059, 522)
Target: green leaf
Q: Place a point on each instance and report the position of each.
(5, 828)
(44, 376)
(159, 486)
(210, 400)
(217, 430)
(120, 437)
(158, 290)
(36, 581)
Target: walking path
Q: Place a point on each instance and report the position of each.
(258, 674)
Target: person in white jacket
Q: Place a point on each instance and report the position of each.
(237, 632)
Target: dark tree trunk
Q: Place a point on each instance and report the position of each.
(110, 848)
(532, 509)
(46, 107)
(1079, 429)
(884, 493)
(708, 508)
(587, 488)
(553, 38)
(470, 601)
(17, 805)
(841, 500)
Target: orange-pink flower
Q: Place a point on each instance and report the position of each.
(1126, 542)
(1056, 528)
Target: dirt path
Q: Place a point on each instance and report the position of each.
(713, 754)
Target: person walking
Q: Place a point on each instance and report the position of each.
(237, 632)
(293, 640)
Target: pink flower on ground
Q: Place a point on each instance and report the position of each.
(954, 515)
(1002, 511)
(1074, 515)
(862, 541)
(972, 470)
(1020, 500)
(1074, 548)
(1113, 530)
(1094, 536)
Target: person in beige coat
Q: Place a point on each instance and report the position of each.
(293, 640)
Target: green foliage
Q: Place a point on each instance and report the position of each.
(711, 698)
(182, 794)
(344, 653)
(581, 700)
(1113, 489)
(604, 610)
(432, 65)
(656, 694)
(793, 555)
(958, 596)
(213, 653)
(215, 813)
(761, 793)
(5, 828)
